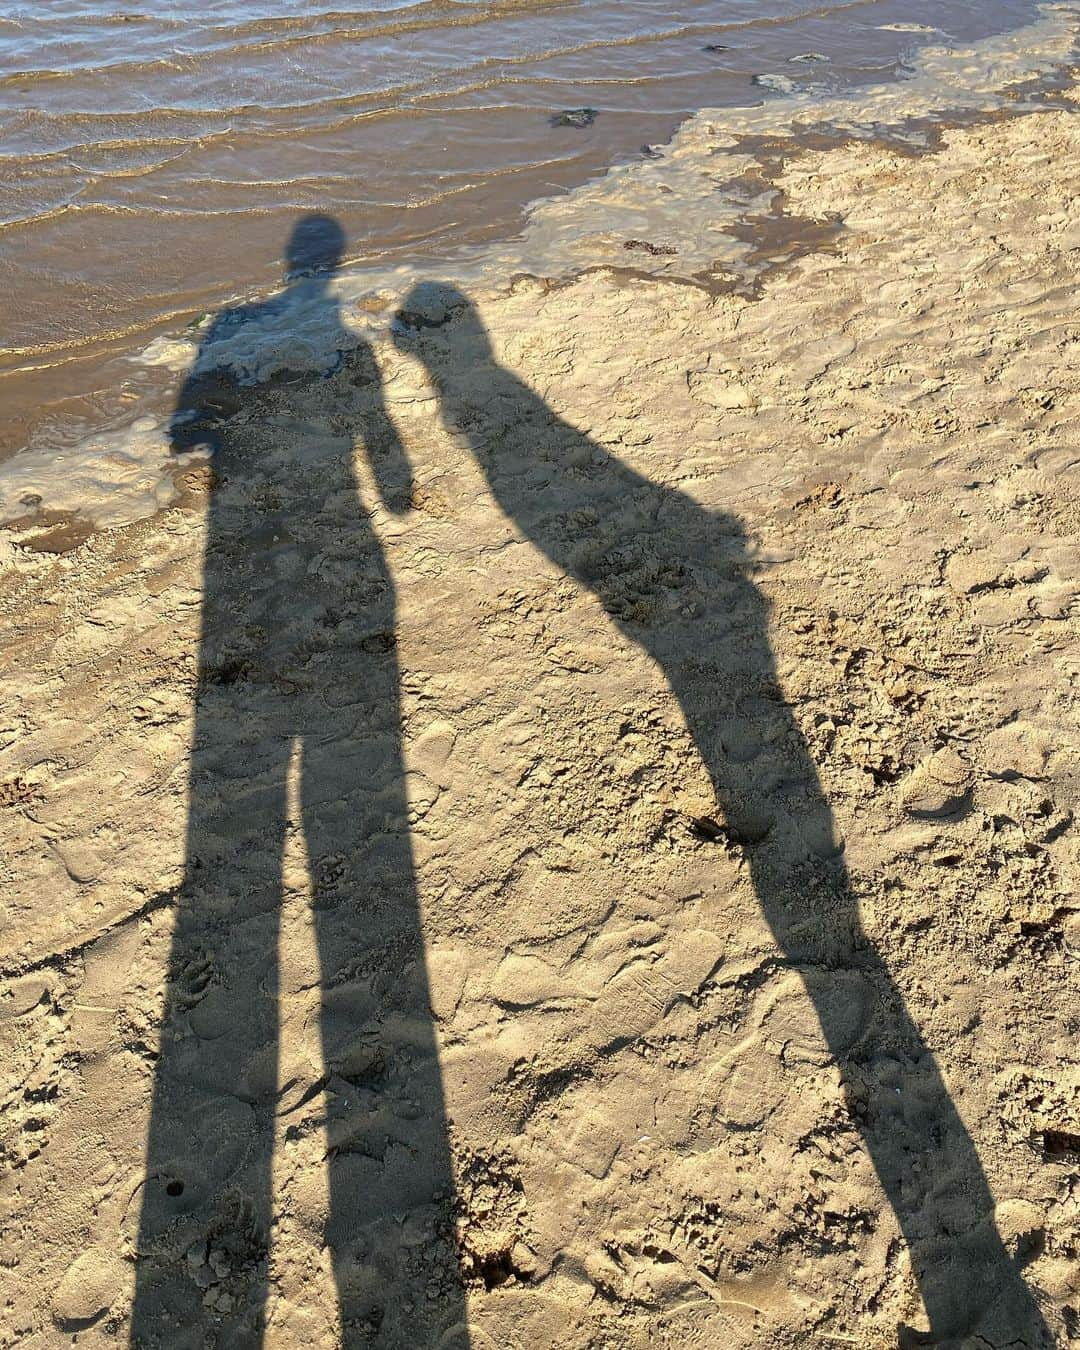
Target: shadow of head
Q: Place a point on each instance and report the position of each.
(315, 247)
(433, 305)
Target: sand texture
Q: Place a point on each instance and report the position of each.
(564, 835)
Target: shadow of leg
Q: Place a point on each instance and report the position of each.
(923, 1155)
(206, 1200)
(390, 1223)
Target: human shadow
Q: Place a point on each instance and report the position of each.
(672, 576)
(297, 749)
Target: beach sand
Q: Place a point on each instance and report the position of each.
(733, 642)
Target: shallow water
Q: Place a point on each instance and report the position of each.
(152, 161)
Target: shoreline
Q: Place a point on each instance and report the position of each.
(684, 214)
(433, 205)
(650, 1135)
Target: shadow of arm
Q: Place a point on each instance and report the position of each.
(387, 456)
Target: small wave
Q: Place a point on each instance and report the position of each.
(225, 53)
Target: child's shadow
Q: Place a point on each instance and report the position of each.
(672, 576)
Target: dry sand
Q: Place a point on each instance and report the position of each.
(713, 759)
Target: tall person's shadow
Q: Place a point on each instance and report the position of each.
(672, 576)
(297, 750)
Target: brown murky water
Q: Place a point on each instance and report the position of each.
(151, 160)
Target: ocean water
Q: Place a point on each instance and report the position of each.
(152, 161)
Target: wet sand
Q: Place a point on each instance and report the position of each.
(641, 721)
